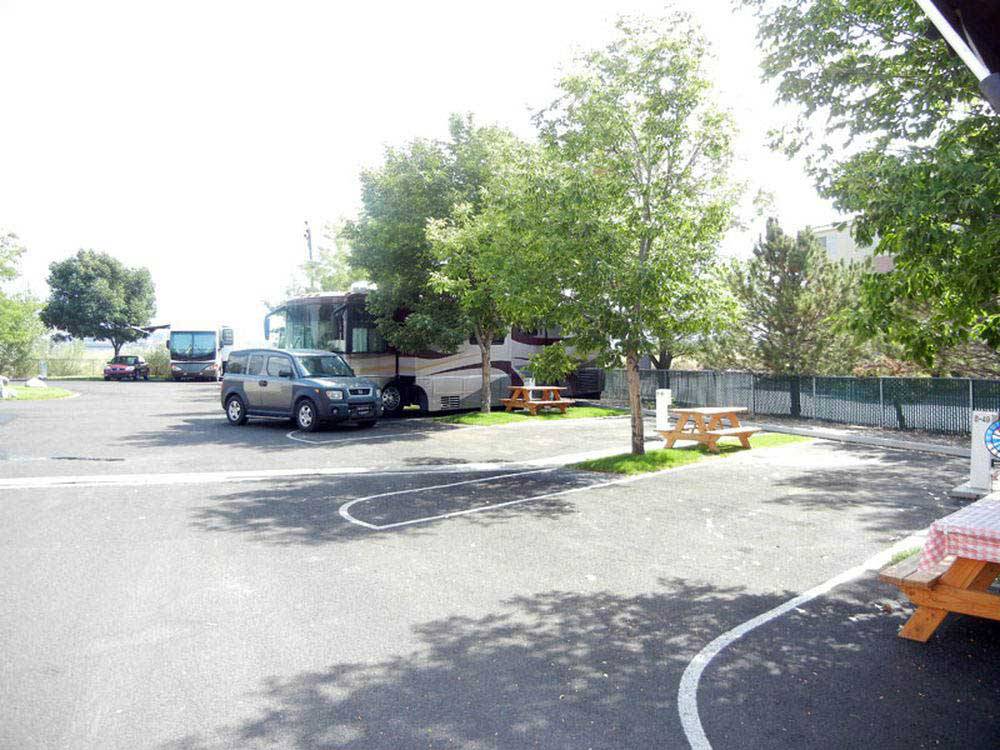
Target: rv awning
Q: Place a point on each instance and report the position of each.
(972, 28)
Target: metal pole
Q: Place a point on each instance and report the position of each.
(881, 405)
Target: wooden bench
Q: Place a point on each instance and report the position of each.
(533, 406)
(959, 586)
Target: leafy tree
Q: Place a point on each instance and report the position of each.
(633, 199)
(332, 269)
(471, 246)
(918, 165)
(11, 251)
(93, 294)
(792, 295)
(416, 183)
(20, 327)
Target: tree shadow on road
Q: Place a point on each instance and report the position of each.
(600, 670)
(895, 490)
(306, 511)
(556, 670)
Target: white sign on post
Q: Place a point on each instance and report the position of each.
(663, 408)
(981, 469)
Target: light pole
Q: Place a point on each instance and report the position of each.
(309, 241)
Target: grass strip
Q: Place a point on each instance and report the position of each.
(504, 417)
(669, 458)
(39, 394)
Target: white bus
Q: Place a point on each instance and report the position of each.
(198, 352)
(340, 322)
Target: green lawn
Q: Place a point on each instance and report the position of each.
(39, 394)
(670, 458)
(503, 417)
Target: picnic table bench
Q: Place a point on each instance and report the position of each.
(953, 572)
(521, 397)
(708, 432)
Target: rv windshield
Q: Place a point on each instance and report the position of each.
(324, 366)
(187, 346)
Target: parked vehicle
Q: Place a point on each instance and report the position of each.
(198, 352)
(126, 367)
(340, 322)
(308, 386)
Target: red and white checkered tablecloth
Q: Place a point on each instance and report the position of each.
(972, 532)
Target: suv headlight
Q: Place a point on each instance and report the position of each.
(378, 393)
(335, 395)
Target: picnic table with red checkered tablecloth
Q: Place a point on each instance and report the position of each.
(972, 532)
(958, 564)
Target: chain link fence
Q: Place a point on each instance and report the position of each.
(931, 404)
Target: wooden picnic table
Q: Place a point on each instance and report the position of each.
(522, 397)
(959, 562)
(706, 425)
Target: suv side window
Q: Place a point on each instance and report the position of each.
(237, 364)
(256, 364)
(276, 363)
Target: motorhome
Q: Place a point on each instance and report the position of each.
(340, 322)
(198, 352)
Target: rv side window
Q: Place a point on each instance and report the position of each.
(237, 364)
(365, 339)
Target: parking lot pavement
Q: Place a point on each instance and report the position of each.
(232, 614)
(148, 427)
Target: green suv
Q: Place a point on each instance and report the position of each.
(308, 386)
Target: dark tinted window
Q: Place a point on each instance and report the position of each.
(256, 364)
(237, 364)
(324, 365)
(497, 340)
(276, 364)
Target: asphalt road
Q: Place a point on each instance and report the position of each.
(487, 609)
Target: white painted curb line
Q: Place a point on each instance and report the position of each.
(687, 692)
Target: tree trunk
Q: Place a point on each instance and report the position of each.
(664, 360)
(635, 403)
(117, 346)
(484, 351)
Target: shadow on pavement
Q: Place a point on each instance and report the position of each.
(556, 670)
(306, 511)
(895, 490)
(833, 674)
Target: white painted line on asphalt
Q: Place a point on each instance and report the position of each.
(687, 692)
(343, 509)
(484, 508)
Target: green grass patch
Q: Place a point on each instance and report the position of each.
(503, 417)
(39, 394)
(903, 554)
(670, 458)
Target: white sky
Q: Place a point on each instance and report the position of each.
(195, 138)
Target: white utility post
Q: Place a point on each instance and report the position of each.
(981, 462)
(663, 403)
(981, 469)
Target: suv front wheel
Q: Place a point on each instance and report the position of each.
(305, 415)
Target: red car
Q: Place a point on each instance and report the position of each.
(127, 367)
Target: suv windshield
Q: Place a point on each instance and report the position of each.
(324, 365)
